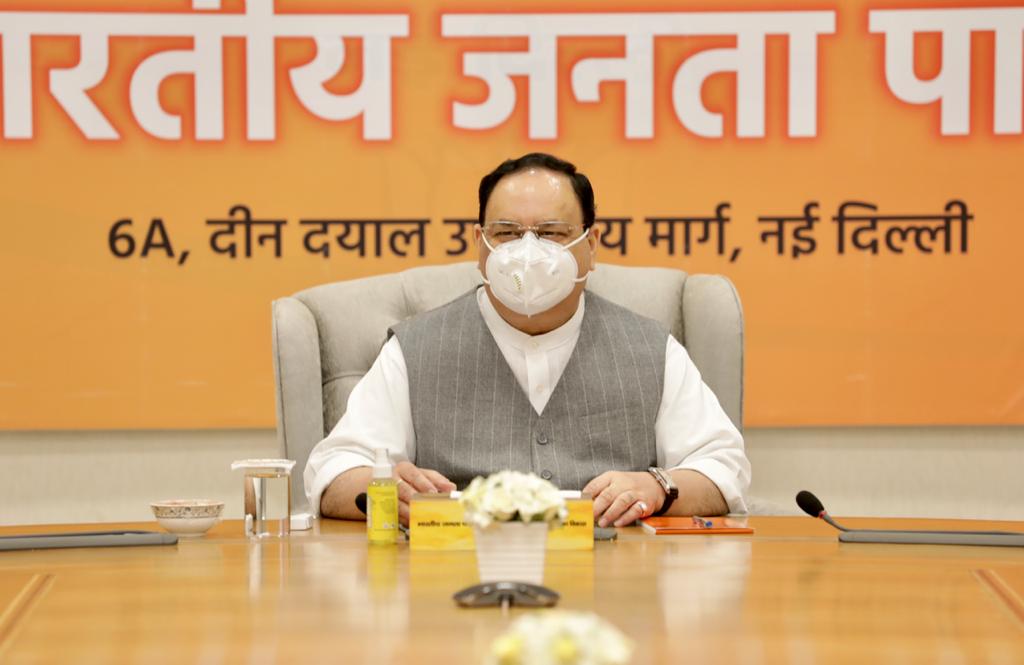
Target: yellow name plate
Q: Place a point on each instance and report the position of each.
(437, 522)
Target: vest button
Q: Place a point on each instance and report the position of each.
(545, 474)
(542, 439)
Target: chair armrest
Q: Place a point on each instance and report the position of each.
(297, 375)
(713, 330)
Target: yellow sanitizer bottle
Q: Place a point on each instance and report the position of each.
(382, 502)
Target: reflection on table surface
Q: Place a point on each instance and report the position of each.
(790, 593)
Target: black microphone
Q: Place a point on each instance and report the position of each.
(812, 505)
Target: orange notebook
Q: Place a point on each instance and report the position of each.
(698, 526)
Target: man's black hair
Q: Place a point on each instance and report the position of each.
(541, 160)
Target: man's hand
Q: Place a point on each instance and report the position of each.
(338, 500)
(621, 497)
(413, 480)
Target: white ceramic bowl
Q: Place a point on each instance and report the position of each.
(187, 517)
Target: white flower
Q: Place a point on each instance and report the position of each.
(508, 496)
(561, 638)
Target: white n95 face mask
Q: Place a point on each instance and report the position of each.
(530, 275)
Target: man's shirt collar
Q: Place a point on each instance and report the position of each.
(506, 333)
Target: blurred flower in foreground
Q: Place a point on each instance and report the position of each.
(561, 638)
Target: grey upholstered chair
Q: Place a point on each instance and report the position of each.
(326, 337)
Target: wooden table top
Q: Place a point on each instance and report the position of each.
(790, 593)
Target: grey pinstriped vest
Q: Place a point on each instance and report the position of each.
(472, 418)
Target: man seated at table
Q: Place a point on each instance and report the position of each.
(528, 373)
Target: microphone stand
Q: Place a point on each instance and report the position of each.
(813, 507)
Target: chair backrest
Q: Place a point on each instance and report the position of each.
(325, 338)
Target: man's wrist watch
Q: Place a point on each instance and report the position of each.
(667, 484)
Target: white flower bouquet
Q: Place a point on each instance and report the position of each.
(561, 638)
(512, 496)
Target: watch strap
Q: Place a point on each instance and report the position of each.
(668, 485)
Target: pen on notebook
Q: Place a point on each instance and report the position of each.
(701, 522)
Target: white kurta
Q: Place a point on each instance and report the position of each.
(691, 430)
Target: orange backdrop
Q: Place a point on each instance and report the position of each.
(91, 340)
